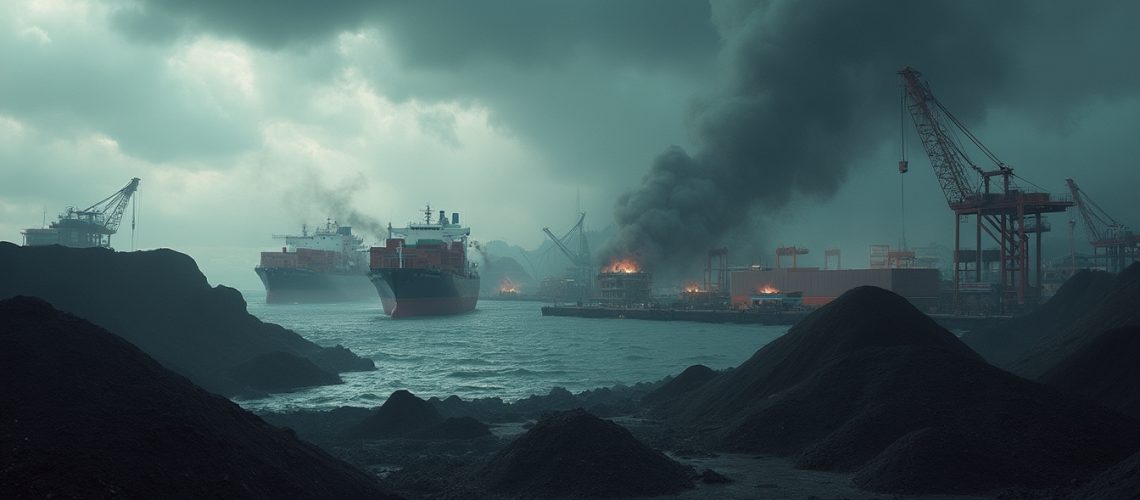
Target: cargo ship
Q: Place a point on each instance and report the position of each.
(325, 265)
(422, 269)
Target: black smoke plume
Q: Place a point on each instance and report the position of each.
(336, 202)
(806, 90)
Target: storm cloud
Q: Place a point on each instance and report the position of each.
(747, 124)
(808, 91)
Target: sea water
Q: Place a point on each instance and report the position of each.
(503, 349)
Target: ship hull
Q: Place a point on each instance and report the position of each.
(301, 286)
(423, 292)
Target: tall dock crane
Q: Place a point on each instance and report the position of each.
(1113, 243)
(1001, 209)
(89, 227)
(583, 263)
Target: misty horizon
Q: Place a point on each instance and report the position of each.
(772, 123)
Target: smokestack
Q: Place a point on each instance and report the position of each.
(455, 218)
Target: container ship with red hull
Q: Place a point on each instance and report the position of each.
(422, 269)
(326, 265)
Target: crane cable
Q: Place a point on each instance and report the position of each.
(134, 216)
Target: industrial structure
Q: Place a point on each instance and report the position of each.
(1114, 244)
(792, 251)
(832, 252)
(1006, 213)
(818, 286)
(90, 227)
(579, 282)
(713, 293)
(623, 283)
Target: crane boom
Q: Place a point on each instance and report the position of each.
(1099, 224)
(945, 154)
(1009, 215)
(112, 207)
(562, 246)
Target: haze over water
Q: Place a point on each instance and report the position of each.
(503, 349)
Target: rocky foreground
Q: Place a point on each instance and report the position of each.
(866, 389)
(160, 301)
(87, 414)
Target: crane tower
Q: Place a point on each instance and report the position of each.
(1007, 214)
(89, 227)
(1114, 244)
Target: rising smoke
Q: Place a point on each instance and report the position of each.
(807, 89)
(336, 202)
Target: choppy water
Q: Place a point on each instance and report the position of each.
(504, 349)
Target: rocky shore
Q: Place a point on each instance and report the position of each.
(865, 397)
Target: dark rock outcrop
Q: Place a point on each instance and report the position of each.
(870, 384)
(279, 371)
(575, 454)
(454, 428)
(1105, 370)
(404, 415)
(689, 380)
(87, 414)
(159, 301)
(1120, 481)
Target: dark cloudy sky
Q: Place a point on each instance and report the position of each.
(746, 123)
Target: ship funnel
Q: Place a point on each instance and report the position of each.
(455, 217)
(443, 216)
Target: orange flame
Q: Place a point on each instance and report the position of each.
(768, 288)
(508, 286)
(627, 266)
(692, 287)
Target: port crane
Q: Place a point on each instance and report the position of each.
(88, 227)
(1118, 242)
(583, 263)
(1006, 213)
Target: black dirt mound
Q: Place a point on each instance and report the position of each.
(279, 371)
(1120, 306)
(862, 318)
(454, 428)
(839, 392)
(1105, 370)
(86, 414)
(159, 301)
(402, 415)
(575, 454)
(689, 380)
(1121, 481)
(1004, 344)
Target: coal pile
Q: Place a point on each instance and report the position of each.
(404, 415)
(608, 401)
(87, 414)
(279, 371)
(1120, 306)
(1006, 343)
(863, 318)
(1121, 481)
(1105, 370)
(575, 454)
(159, 301)
(872, 385)
(689, 380)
